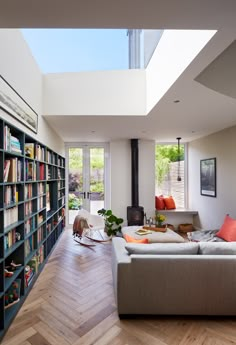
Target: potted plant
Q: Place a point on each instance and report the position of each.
(160, 218)
(112, 222)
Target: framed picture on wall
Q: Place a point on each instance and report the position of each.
(16, 106)
(208, 177)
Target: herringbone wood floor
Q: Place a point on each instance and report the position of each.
(72, 303)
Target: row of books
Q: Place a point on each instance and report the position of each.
(40, 218)
(41, 171)
(29, 245)
(30, 225)
(40, 203)
(11, 143)
(12, 170)
(9, 239)
(50, 157)
(30, 171)
(50, 173)
(60, 162)
(40, 234)
(10, 194)
(60, 184)
(10, 216)
(39, 152)
(41, 188)
(28, 208)
(28, 191)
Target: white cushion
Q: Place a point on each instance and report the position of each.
(163, 248)
(155, 237)
(217, 248)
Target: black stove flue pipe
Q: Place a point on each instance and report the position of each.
(135, 213)
(134, 173)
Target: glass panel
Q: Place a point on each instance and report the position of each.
(76, 188)
(96, 179)
(170, 173)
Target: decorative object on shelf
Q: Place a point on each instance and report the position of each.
(208, 177)
(179, 177)
(12, 295)
(16, 106)
(159, 218)
(186, 227)
(112, 222)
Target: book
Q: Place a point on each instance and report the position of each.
(29, 150)
(7, 164)
(143, 232)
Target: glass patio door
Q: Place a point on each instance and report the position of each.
(86, 178)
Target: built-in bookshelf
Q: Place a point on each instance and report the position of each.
(32, 217)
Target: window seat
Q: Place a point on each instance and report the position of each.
(179, 216)
(180, 211)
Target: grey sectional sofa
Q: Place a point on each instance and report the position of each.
(174, 279)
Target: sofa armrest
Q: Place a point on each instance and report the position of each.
(121, 260)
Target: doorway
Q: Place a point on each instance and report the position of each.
(87, 178)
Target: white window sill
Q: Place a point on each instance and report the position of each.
(180, 211)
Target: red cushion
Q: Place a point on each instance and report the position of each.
(169, 203)
(228, 230)
(159, 202)
(133, 240)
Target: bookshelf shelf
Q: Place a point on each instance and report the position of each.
(13, 248)
(32, 188)
(9, 281)
(12, 226)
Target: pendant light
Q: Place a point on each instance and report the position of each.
(179, 177)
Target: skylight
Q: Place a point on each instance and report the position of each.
(76, 50)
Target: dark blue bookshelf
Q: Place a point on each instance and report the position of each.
(47, 167)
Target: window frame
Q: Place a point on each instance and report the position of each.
(185, 168)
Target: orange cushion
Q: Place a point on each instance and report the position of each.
(159, 202)
(169, 203)
(228, 230)
(133, 240)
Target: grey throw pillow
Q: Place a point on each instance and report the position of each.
(163, 248)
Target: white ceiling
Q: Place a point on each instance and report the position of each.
(200, 111)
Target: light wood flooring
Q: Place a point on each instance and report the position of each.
(72, 303)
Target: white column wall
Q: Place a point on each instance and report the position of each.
(147, 176)
(19, 68)
(120, 154)
(213, 210)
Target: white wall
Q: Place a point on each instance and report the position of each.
(95, 93)
(120, 177)
(222, 146)
(19, 68)
(120, 152)
(175, 51)
(147, 176)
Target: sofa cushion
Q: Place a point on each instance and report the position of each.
(155, 237)
(169, 203)
(217, 248)
(188, 248)
(133, 240)
(228, 229)
(159, 202)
